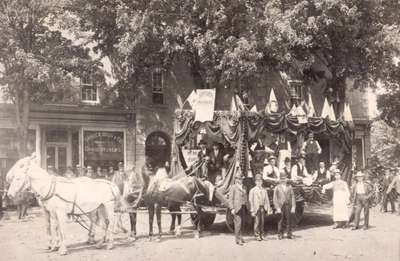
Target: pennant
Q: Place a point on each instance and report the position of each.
(347, 116)
(293, 110)
(179, 101)
(192, 98)
(325, 109)
(233, 105)
(239, 104)
(254, 108)
(301, 115)
(272, 104)
(311, 109)
(332, 116)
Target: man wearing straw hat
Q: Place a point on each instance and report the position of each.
(361, 193)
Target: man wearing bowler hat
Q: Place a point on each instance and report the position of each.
(238, 204)
(285, 204)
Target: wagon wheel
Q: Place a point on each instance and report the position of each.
(207, 219)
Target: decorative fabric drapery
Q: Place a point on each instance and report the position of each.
(228, 126)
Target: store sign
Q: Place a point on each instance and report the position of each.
(103, 145)
(204, 108)
(190, 156)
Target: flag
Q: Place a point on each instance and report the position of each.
(233, 105)
(192, 98)
(347, 116)
(301, 115)
(254, 108)
(179, 101)
(272, 104)
(310, 106)
(293, 110)
(332, 116)
(237, 104)
(325, 109)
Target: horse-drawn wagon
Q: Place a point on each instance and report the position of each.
(236, 131)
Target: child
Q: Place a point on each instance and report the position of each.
(259, 205)
(284, 203)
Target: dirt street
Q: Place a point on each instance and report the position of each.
(314, 240)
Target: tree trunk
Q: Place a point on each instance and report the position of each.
(22, 104)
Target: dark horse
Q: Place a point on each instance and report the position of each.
(174, 192)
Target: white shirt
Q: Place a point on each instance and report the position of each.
(360, 189)
(268, 172)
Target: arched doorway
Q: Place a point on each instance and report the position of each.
(158, 148)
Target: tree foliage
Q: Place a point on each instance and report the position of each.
(233, 42)
(36, 59)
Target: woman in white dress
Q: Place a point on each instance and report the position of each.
(341, 199)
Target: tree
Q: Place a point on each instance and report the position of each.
(36, 59)
(385, 143)
(228, 43)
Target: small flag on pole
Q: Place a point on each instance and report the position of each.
(347, 116)
(311, 109)
(293, 110)
(192, 99)
(254, 108)
(179, 101)
(272, 104)
(233, 105)
(332, 116)
(325, 109)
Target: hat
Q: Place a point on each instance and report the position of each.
(336, 171)
(266, 162)
(283, 176)
(311, 134)
(359, 174)
(271, 157)
(202, 142)
(258, 177)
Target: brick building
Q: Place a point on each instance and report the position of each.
(87, 132)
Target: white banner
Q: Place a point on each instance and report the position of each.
(204, 107)
(190, 156)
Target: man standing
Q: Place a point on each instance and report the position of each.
(285, 204)
(361, 193)
(238, 203)
(311, 149)
(387, 196)
(204, 151)
(259, 205)
(395, 185)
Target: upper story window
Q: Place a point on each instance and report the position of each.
(89, 91)
(157, 78)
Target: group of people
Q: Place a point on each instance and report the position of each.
(391, 188)
(89, 171)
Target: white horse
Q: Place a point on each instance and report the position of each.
(96, 199)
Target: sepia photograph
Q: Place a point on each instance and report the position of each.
(201, 130)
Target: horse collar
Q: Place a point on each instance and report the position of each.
(52, 188)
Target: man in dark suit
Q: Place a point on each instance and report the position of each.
(204, 151)
(285, 204)
(395, 185)
(361, 193)
(387, 197)
(216, 162)
(238, 204)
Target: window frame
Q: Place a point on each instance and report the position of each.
(157, 91)
(93, 87)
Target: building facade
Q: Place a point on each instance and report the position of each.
(88, 133)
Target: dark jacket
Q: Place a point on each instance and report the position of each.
(281, 196)
(237, 198)
(216, 161)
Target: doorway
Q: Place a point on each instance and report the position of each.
(158, 148)
(57, 157)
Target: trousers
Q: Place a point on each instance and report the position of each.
(259, 222)
(386, 199)
(132, 219)
(361, 203)
(238, 220)
(285, 217)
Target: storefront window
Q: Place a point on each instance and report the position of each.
(103, 148)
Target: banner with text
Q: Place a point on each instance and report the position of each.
(204, 108)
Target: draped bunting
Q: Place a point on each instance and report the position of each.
(229, 125)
